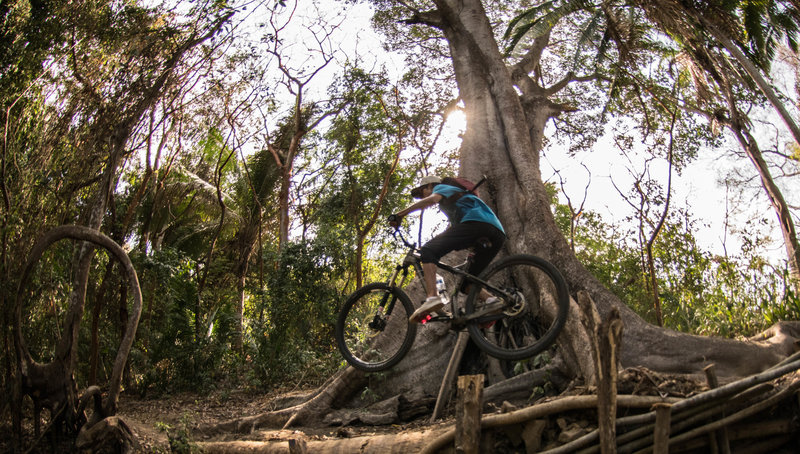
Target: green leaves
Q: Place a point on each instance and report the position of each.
(700, 292)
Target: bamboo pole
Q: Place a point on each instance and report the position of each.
(544, 409)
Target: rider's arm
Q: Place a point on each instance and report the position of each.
(432, 199)
(394, 220)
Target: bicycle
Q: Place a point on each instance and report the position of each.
(373, 332)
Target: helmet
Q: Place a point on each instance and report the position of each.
(425, 181)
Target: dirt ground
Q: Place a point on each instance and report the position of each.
(159, 420)
(154, 421)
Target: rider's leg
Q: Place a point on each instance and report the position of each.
(430, 279)
(458, 236)
(487, 245)
(430, 253)
(433, 303)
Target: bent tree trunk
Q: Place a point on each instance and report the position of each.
(51, 385)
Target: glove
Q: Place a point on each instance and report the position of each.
(394, 220)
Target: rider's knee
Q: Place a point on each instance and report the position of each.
(426, 255)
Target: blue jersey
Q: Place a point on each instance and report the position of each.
(467, 208)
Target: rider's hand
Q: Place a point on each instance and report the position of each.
(394, 220)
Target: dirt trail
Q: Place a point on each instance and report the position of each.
(155, 420)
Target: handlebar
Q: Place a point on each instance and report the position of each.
(398, 236)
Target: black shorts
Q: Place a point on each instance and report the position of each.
(463, 236)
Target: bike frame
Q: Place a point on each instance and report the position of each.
(413, 260)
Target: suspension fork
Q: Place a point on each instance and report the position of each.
(388, 297)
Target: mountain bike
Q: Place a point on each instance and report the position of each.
(373, 332)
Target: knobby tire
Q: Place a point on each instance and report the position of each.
(516, 334)
(376, 348)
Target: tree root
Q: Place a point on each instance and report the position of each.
(350, 380)
(693, 418)
(524, 383)
(319, 404)
(690, 414)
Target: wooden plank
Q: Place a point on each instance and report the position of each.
(468, 414)
(661, 431)
(605, 336)
(720, 437)
(450, 374)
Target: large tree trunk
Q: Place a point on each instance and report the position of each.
(503, 139)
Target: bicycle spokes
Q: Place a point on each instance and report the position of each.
(372, 331)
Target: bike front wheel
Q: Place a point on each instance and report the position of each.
(517, 327)
(372, 330)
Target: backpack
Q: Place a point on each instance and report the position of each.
(462, 183)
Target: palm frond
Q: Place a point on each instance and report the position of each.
(602, 48)
(787, 23)
(698, 77)
(753, 14)
(587, 33)
(528, 15)
(206, 188)
(539, 20)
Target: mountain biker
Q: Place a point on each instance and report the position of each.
(472, 223)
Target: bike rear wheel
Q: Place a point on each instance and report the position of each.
(372, 330)
(519, 329)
